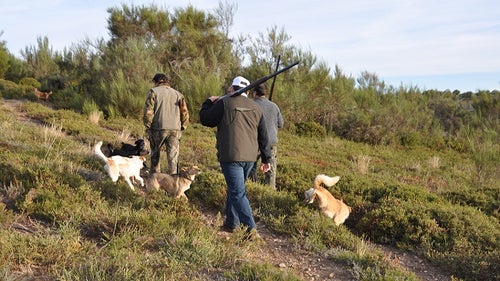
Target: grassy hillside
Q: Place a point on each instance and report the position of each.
(61, 218)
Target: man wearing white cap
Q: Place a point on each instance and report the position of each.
(241, 134)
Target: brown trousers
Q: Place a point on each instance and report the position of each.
(171, 140)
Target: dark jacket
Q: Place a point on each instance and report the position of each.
(241, 129)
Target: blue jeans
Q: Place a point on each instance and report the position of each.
(237, 205)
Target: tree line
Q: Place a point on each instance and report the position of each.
(194, 49)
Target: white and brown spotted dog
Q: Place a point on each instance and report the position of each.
(127, 167)
(175, 185)
(329, 205)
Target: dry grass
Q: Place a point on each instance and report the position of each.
(51, 132)
(124, 135)
(415, 167)
(362, 163)
(94, 117)
(434, 162)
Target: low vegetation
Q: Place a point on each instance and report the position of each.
(420, 168)
(63, 219)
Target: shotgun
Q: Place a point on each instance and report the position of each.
(262, 80)
(274, 79)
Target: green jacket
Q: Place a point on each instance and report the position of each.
(165, 109)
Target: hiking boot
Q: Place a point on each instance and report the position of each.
(227, 228)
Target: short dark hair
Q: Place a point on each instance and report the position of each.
(261, 90)
(160, 78)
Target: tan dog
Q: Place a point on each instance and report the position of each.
(117, 166)
(329, 205)
(174, 185)
(42, 95)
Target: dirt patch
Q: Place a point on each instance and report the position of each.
(278, 250)
(15, 106)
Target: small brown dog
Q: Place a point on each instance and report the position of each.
(42, 95)
(174, 185)
(329, 205)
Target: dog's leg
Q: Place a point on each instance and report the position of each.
(129, 183)
(140, 179)
(337, 220)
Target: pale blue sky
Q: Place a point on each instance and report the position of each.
(424, 43)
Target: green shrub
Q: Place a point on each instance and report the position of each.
(310, 129)
(271, 203)
(444, 231)
(209, 189)
(30, 83)
(68, 98)
(9, 89)
(470, 264)
(410, 139)
(89, 106)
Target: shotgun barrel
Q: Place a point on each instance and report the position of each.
(263, 79)
(274, 79)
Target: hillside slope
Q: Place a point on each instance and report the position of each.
(275, 249)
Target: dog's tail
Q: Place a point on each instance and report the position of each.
(98, 152)
(326, 180)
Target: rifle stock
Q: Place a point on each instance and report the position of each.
(263, 79)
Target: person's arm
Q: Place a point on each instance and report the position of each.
(211, 112)
(184, 114)
(149, 106)
(281, 122)
(263, 140)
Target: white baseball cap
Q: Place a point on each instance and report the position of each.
(240, 81)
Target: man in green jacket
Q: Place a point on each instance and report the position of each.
(165, 117)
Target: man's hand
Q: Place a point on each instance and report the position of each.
(213, 98)
(265, 167)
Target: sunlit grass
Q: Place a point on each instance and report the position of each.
(62, 218)
(94, 117)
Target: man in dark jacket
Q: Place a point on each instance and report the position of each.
(241, 135)
(165, 117)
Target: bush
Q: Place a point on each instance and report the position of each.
(9, 89)
(68, 98)
(30, 82)
(410, 139)
(310, 129)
